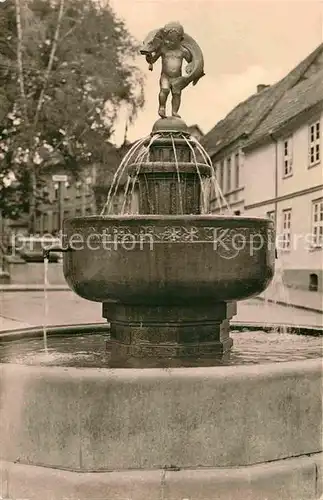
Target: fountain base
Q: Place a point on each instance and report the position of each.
(288, 479)
(151, 334)
(152, 434)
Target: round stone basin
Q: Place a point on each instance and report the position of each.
(71, 427)
(79, 347)
(168, 259)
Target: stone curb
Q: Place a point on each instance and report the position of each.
(286, 304)
(290, 479)
(34, 288)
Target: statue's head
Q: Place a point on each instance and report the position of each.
(173, 33)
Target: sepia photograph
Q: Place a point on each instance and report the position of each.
(161, 249)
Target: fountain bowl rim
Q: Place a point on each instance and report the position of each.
(168, 218)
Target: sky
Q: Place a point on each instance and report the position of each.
(245, 43)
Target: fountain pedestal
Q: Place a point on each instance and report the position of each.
(168, 277)
(176, 335)
(170, 182)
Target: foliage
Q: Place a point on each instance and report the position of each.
(66, 68)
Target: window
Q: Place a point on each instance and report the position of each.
(287, 158)
(55, 221)
(38, 225)
(78, 212)
(67, 190)
(237, 170)
(78, 186)
(220, 176)
(314, 139)
(45, 223)
(314, 283)
(287, 216)
(317, 223)
(272, 215)
(88, 188)
(228, 183)
(45, 194)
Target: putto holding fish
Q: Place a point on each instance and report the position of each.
(173, 46)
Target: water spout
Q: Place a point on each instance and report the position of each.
(119, 172)
(277, 293)
(45, 320)
(178, 176)
(204, 201)
(217, 189)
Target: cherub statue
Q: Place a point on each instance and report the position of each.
(173, 46)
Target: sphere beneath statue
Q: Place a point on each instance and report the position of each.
(170, 124)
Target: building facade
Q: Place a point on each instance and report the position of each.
(72, 198)
(268, 157)
(290, 191)
(81, 195)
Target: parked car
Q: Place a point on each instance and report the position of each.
(31, 248)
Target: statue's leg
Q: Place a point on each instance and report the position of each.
(176, 102)
(163, 95)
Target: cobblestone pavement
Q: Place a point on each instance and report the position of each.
(25, 309)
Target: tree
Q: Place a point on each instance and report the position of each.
(66, 68)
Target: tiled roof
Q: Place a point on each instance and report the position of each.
(247, 116)
(195, 128)
(304, 96)
(232, 126)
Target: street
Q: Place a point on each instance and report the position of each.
(26, 309)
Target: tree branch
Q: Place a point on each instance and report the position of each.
(74, 127)
(19, 60)
(70, 31)
(50, 62)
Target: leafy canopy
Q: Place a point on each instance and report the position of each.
(77, 70)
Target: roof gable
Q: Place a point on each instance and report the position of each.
(248, 115)
(304, 96)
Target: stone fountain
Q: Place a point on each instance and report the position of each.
(162, 420)
(168, 278)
